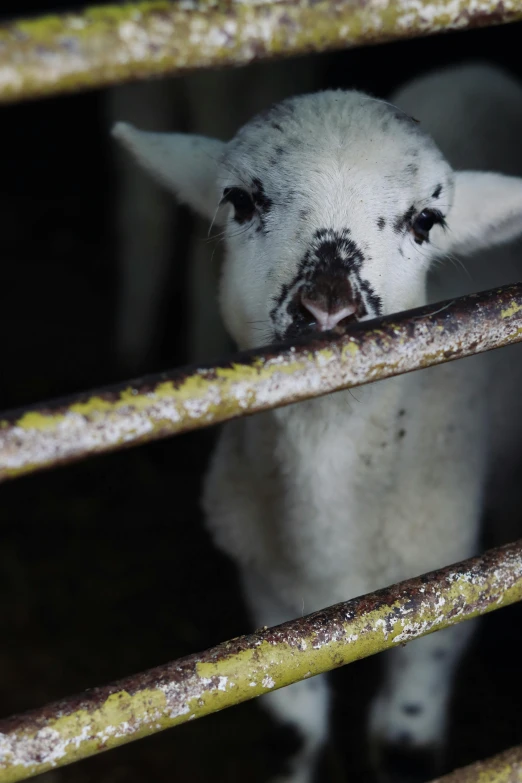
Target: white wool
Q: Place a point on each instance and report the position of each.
(338, 496)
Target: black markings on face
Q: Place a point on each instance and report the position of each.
(250, 205)
(401, 434)
(242, 202)
(330, 271)
(402, 222)
(381, 223)
(436, 193)
(278, 154)
(402, 412)
(373, 298)
(331, 248)
(261, 200)
(283, 293)
(412, 169)
(412, 709)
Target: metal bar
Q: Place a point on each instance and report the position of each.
(103, 46)
(186, 399)
(504, 768)
(250, 666)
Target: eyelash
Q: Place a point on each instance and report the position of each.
(244, 209)
(242, 203)
(433, 216)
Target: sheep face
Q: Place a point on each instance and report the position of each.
(334, 205)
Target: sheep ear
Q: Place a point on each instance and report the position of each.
(486, 211)
(185, 164)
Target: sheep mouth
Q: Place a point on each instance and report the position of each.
(348, 321)
(304, 325)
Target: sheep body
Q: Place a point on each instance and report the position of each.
(338, 496)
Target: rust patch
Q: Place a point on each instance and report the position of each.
(104, 46)
(504, 768)
(185, 399)
(250, 666)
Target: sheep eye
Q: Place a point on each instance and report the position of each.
(424, 222)
(243, 204)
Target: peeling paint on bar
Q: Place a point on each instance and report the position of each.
(250, 666)
(190, 398)
(504, 768)
(106, 45)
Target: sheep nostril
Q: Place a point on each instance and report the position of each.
(306, 316)
(328, 317)
(349, 319)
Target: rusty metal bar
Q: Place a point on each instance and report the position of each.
(107, 45)
(251, 666)
(186, 399)
(504, 768)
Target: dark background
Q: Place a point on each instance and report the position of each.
(105, 569)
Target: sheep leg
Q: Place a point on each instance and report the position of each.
(408, 717)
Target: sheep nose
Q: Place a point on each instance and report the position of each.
(323, 302)
(327, 317)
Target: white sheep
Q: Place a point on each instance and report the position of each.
(335, 207)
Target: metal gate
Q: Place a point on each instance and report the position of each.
(108, 45)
